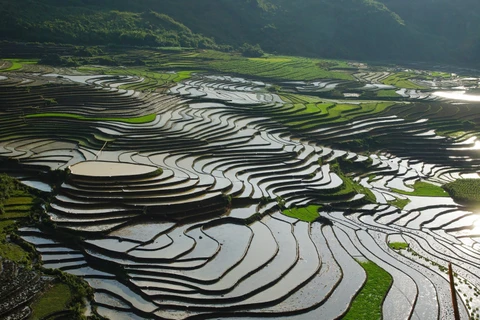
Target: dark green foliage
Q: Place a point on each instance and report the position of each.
(355, 29)
(8, 186)
(466, 191)
(81, 22)
(248, 50)
(348, 165)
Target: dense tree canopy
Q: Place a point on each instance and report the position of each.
(412, 30)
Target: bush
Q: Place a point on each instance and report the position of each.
(248, 50)
(465, 191)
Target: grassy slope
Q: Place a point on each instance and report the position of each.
(273, 67)
(388, 94)
(17, 64)
(327, 112)
(307, 214)
(158, 64)
(399, 203)
(17, 204)
(54, 299)
(398, 245)
(424, 189)
(401, 80)
(368, 303)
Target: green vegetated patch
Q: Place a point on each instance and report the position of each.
(17, 64)
(268, 67)
(307, 214)
(402, 80)
(424, 189)
(349, 188)
(15, 205)
(8, 249)
(183, 75)
(398, 245)
(273, 67)
(399, 203)
(151, 79)
(135, 120)
(438, 74)
(464, 190)
(54, 299)
(19, 207)
(304, 112)
(387, 94)
(368, 303)
(450, 133)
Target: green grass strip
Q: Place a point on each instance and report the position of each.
(17, 64)
(387, 94)
(399, 203)
(398, 245)
(53, 300)
(402, 80)
(183, 75)
(137, 120)
(9, 250)
(8, 224)
(307, 214)
(367, 305)
(424, 189)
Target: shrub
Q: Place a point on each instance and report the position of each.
(464, 190)
(249, 50)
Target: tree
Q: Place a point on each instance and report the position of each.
(249, 50)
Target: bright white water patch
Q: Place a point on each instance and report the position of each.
(351, 95)
(110, 169)
(3, 78)
(37, 185)
(79, 79)
(471, 143)
(476, 225)
(457, 95)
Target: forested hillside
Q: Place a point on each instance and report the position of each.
(400, 30)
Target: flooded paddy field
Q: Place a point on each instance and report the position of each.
(220, 198)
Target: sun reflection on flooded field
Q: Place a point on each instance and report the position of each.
(457, 95)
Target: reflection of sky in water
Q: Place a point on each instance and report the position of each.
(476, 224)
(470, 144)
(457, 95)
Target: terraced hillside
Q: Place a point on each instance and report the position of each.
(218, 197)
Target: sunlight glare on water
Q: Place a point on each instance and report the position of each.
(457, 95)
(476, 225)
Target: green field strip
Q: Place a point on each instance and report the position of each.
(401, 80)
(369, 301)
(424, 189)
(307, 214)
(55, 299)
(17, 64)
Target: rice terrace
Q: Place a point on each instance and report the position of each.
(198, 184)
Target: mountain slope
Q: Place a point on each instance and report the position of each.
(409, 30)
